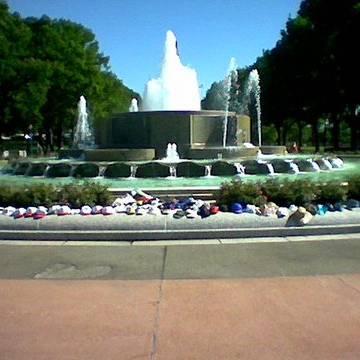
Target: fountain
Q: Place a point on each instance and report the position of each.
(134, 105)
(177, 88)
(172, 99)
(169, 135)
(83, 136)
(254, 88)
(230, 77)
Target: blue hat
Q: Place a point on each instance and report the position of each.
(236, 208)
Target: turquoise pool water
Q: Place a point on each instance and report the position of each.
(351, 167)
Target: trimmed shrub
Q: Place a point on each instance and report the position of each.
(241, 192)
(41, 194)
(331, 192)
(287, 192)
(354, 187)
(85, 193)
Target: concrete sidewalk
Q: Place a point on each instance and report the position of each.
(271, 300)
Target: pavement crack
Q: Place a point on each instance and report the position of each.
(340, 277)
(154, 339)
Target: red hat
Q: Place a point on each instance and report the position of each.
(214, 209)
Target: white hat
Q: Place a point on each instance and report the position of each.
(64, 210)
(85, 210)
(140, 210)
(30, 211)
(54, 209)
(191, 213)
(18, 213)
(121, 208)
(154, 210)
(107, 210)
(282, 212)
(96, 209)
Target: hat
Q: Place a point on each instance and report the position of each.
(179, 214)
(96, 209)
(18, 213)
(191, 213)
(64, 210)
(300, 217)
(236, 208)
(85, 210)
(107, 210)
(54, 209)
(204, 210)
(30, 211)
(140, 210)
(154, 210)
(121, 208)
(124, 200)
(214, 209)
(40, 212)
(130, 210)
(282, 212)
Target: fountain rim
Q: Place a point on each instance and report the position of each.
(197, 112)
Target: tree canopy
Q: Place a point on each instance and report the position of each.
(45, 66)
(310, 78)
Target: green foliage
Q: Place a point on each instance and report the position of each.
(331, 192)
(286, 192)
(240, 191)
(74, 194)
(299, 192)
(85, 193)
(354, 187)
(45, 66)
(42, 194)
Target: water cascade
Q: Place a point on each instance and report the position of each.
(254, 88)
(134, 105)
(171, 153)
(231, 76)
(83, 136)
(176, 88)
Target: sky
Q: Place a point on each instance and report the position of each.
(209, 32)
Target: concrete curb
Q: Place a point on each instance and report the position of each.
(121, 227)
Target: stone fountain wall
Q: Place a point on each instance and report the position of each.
(194, 132)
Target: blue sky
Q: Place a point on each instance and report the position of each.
(209, 32)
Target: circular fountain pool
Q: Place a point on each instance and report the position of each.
(184, 173)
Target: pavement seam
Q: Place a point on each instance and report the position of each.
(157, 312)
(348, 284)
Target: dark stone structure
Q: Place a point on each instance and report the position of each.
(190, 169)
(149, 133)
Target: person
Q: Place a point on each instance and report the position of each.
(294, 147)
(39, 150)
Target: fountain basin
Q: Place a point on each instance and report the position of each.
(163, 169)
(119, 154)
(219, 152)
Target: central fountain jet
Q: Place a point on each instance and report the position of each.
(176, 88)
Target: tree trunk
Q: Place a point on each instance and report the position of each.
(336, 131)
(278, 132)
(316, 135)
(49, 146)
(353, 124)
(300, 133)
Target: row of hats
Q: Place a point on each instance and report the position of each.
(61, 210)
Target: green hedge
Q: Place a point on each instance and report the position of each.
(287, 192)
(74, 195)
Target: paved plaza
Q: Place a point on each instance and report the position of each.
(275, 298)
